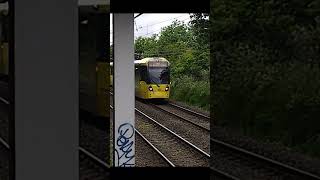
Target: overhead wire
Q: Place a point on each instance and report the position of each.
(157, 29)
(138, 15)
(152, 32)
(150, 25)
(137, 28)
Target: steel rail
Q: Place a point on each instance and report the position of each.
(152, 146)
(190, 111)
(4, 143)
(272, 162)
(94, 158)
(156, 149)
(173, 133)
(182, 118)
(222, 174)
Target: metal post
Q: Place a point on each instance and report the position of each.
(46, 89)
(124, 134)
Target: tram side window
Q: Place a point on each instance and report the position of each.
(137, 74)
(4, 28)
(143, 73)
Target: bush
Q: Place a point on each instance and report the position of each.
(187, 89)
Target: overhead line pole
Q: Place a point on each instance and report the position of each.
(138, 15)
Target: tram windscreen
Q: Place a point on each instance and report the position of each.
(159, 75)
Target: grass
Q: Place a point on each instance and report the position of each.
(195, 93)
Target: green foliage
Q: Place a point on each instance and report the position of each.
(146, 46)
(191, 91)
(187, 49)
(266, 69)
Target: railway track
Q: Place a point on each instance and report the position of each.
(4, 161)
(203, 123)
(4, 123)
(91, 167)
(147, 155)
(204, 119)
(162, 160)
(4, 129)
(196, 135)
(4, 143)
(174, 149)
(93, 149)
(94, 138)
(191, 132)
(220, 175)
(179, 151)
(260, 167)
(267, 168)
(190, 111)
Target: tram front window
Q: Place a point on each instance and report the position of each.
(159, 75)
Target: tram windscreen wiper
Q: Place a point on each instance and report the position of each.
(154, 81)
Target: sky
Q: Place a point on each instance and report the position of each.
(151, 23)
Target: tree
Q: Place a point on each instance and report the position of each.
(174, 39)
(148, 46)
(200, 26)
(187, 49)
(265, 62)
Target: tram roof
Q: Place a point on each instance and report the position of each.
(146, 60)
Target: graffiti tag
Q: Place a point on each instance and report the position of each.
(124, 143)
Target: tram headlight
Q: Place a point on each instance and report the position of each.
(167, 89)
(150, 88)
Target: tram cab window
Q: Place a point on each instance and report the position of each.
(159, 75)
(143, 73)
(165, 76)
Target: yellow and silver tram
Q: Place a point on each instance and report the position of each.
(152, 78)
(93, 66)
(4, 47)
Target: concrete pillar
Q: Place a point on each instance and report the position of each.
(124, 95)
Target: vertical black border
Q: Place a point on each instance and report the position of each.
(79, 126)
(113, 117)
(11, 92)
(160, 6)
